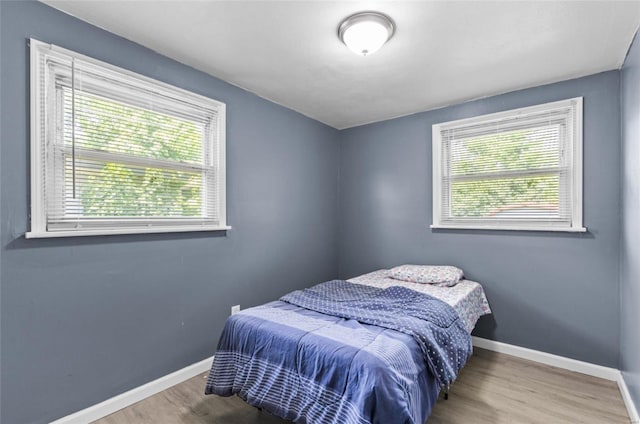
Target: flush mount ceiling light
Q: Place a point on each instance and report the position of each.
(365, 32)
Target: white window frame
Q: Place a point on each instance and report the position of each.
(39, 126)
(576, 105)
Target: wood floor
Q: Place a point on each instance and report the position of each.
(493, 388)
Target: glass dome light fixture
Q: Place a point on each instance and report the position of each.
(365, 33)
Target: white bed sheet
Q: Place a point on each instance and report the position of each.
(467, 297)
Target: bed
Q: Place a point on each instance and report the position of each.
(326, 355)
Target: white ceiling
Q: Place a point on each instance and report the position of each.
(442, 53)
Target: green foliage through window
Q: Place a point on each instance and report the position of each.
(125, 188)
(479, 186)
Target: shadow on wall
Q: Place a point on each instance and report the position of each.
(546, 234)
(21, 242)
(529, 320)
(486, 327)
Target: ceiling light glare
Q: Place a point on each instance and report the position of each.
(366, 32)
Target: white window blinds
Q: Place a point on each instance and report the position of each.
(115, 152)
(519, 170)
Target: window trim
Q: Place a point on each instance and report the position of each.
(576, 104)
(38, 130)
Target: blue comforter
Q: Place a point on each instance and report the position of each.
(434, 325)
(342, 353)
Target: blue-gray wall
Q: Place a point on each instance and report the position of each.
(630, 243)
(84, 319)
(555, 292)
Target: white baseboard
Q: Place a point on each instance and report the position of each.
(587, 368)
(123, 400)
(628, 402)
(599, 371)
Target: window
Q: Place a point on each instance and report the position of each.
(113, 152)
(516, 170)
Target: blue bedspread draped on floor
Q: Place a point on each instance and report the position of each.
(342, 353)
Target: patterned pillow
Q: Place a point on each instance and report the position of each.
(440, 275)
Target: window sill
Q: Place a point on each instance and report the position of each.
(108, 232)
(514, 228)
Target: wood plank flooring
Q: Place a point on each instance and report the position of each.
(493, 388)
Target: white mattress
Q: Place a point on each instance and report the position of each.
(467, 297)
